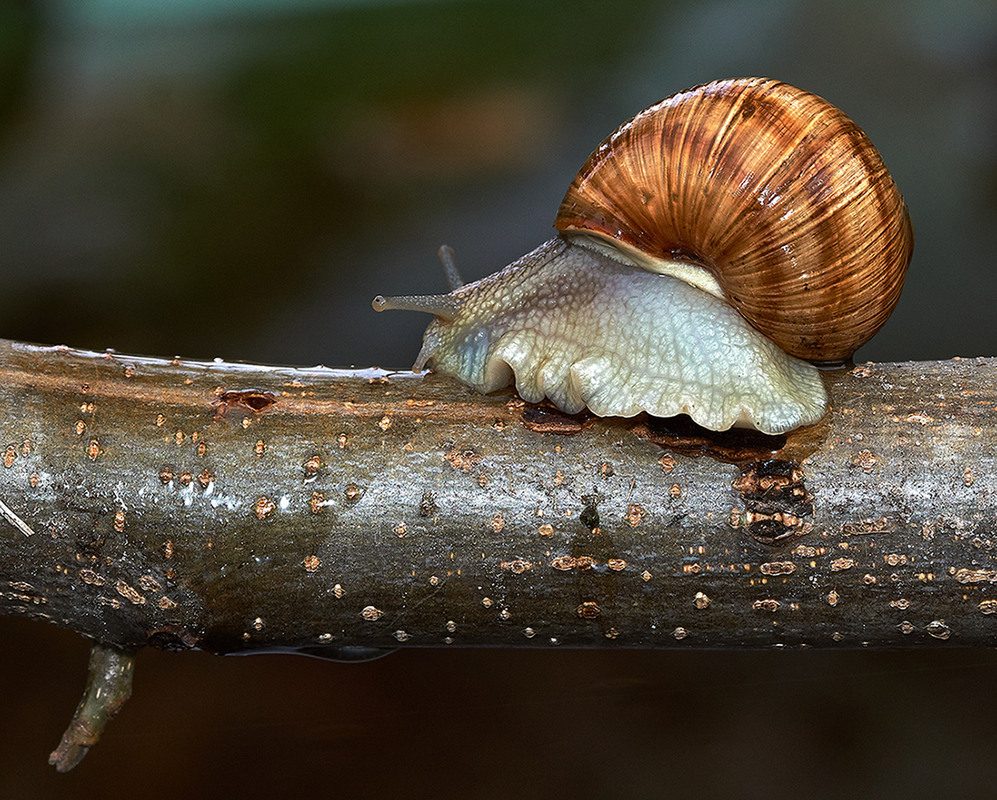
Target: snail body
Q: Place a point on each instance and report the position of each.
(705, 250)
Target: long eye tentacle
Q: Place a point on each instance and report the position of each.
(441, 305)
(444, 306)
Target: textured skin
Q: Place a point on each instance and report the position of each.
(585, 330)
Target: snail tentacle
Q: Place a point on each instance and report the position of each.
(454, 281)
(439, 305)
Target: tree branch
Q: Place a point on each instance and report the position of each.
(233, 507)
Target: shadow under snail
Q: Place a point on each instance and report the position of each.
(707, 252)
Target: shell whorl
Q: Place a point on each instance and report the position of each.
(773, 190)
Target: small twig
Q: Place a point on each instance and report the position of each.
(109, 685)
(13, 519)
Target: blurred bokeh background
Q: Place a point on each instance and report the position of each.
(237, 178)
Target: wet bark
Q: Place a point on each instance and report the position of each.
(233, 507)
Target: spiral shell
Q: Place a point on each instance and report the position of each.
(774, 191)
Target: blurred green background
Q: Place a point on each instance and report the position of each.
(237, 178)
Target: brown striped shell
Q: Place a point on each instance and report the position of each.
(772, 189)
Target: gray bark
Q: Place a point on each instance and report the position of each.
(234, 507)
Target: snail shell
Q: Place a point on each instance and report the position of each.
(777, 193)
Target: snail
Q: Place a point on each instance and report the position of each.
(709, 253)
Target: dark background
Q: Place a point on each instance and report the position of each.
(237, 178)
